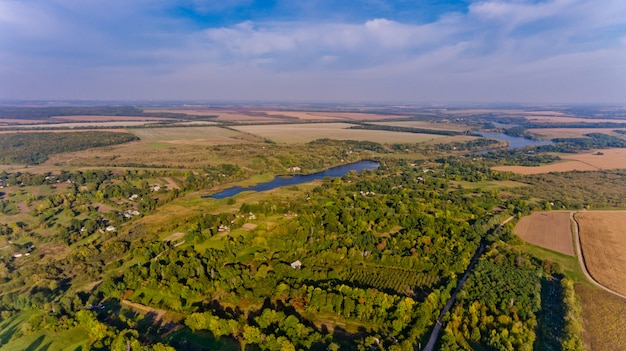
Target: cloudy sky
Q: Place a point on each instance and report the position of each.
(532, 51)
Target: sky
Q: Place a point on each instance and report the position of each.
(412, 51)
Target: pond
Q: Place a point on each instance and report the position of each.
(334, 172)
(514, 142)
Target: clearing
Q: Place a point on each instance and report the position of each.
(193, 135)
(603, 239)
(550, 230)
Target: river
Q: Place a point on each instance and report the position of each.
(334, 172)
(514, 142)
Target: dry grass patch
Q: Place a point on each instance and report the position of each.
(550, 230)
(603, 239)
(194, 135)
(604, 325)
(586, 161)
(304, 133)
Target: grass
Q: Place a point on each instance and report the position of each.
(570, 265)
(306, 132)
(211, 134)
(69, 340)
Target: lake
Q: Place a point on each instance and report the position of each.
(514, 142)
(334, 172)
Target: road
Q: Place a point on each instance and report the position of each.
(438, 325)
(581, 258)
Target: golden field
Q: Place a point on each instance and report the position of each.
(603, 239)
(587, 161)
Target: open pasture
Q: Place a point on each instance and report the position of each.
(203, 135)
(587, 161)
(550, 230)
(553, 133)
(603, 239)
(304, 133)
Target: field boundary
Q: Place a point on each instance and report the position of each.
(581, 257)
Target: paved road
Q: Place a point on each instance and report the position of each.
(581, 258)
(435, 333)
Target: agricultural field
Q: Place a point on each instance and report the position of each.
(603, 239)
(585, 161)
(565, 119)
(85, 125)
(554, 133)
(93, 118)
(604, 325)
(425, 125)
(550, 230)
(303, 133)
(264, 116)
(200, 135)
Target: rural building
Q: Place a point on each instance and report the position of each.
(296, 264)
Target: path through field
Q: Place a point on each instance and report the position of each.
(581, 259)
(435, 333)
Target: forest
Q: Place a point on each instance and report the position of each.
(34, 148)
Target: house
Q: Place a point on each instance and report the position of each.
(133, 197)
(294, 169)
(110, 228)
(296, 264)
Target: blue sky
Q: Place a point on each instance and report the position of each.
(548, 51)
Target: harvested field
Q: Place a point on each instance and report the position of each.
(116, 130)
(562, 119)
(345, 116)
(425, 125)
(107, 118)
(553, 133)
(12, 121)
(304, 133)
(83, 125)
(603, 239)
(604, 325)
(587, 161)
(194, 135)
(550, 230)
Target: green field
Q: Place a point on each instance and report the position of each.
(306, 132)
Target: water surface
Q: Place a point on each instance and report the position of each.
(334, 172)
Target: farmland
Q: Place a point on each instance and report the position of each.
(550, 230)
(302, 133)
(424, 125)
(603, 240)
(585, 161)
(553, 133)
(604, 325)
(203, 135)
